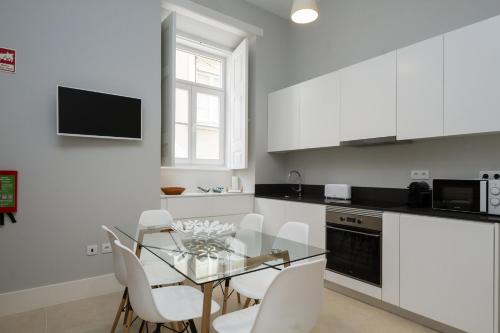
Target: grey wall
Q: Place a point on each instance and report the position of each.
(267, 74)
(69, 187)
(349, 31)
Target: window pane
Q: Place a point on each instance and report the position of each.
(181, 105)
(207, 143)
(181, 141)
(208, 71)
(207, 109)
(184, 65)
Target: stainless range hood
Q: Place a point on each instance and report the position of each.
(384, 140)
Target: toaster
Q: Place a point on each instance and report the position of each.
(338, 191)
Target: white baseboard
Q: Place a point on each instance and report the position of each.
(353, 284)
(40, 297)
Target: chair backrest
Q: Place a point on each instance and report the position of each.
(295, 231)
(157, 217)
(139, 289)
(289, 306)
(118, 263)
(252, 222)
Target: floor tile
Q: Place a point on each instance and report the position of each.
(339, 314)
(27, 322)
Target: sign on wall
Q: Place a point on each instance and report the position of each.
(7, 60)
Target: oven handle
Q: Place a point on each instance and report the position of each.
(355, 232)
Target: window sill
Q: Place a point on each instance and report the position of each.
(197, 167)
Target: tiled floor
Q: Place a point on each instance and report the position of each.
(340, 314)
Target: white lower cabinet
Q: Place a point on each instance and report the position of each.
(227, 208)
(447, 271)
(390, 258)
(278, 212)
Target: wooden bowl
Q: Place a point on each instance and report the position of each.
(173, 190)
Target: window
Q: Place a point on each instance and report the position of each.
(199, 108)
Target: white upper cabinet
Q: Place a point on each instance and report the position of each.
(368, 99)
(447, 271)
(420, 90)
(283, 120)
(320, 112)
(472, 78)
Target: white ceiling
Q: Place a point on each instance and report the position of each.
(279, 7)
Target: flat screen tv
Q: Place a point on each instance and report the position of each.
(98, 115)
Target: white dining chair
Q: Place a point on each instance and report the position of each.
(160, 305)
(152, 218)
(252, 222)
(254, 285)
(159, 274)
(292, 304)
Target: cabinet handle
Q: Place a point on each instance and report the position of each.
(354, 232)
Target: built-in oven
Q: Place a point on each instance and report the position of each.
(354, 241)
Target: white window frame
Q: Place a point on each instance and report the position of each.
(193, 88)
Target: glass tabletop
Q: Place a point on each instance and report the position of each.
(204, 259)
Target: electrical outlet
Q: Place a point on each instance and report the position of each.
(106, 248)
(495, 174)
(419, 174)
(91, 250)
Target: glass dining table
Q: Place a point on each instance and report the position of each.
(212, 260)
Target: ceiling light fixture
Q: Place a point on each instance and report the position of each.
(304, 11)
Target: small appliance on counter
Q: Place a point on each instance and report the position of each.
(338, 191)
(467, 195)
(419, 195)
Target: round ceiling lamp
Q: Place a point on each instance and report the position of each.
(304, 11)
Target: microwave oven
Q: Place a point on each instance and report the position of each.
(467, 195)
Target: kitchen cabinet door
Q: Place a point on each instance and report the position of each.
(274, 214)
(312, 215)
(283, 120)
(472, 78)
(447, 271)
(368, 99)
(390, 258)
(320, 112)
(420, 90)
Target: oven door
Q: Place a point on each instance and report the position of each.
(460, 195)
(355, 253)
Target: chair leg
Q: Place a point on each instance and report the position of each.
(158, 328)
(127, 309)
(119, 311)
(192, 326)
(239, 298)
(226, 290)
(142, 326)
(128, 321)
(247, 303)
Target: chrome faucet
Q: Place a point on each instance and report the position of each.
(298, 189)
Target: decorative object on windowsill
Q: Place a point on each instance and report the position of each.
(218, 189)
(203, 189)
(304, 11)
(173, 190)
(204, 229)
(235, 185)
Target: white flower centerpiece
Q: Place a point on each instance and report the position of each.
(207, 239)
(204, 229)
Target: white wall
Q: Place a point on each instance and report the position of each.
(69, 187)
(390, 165)
(349, 31)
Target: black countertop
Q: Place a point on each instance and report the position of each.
(382, 199)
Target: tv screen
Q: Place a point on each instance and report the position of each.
(93, 114)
